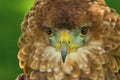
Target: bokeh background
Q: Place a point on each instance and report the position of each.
(11, 15)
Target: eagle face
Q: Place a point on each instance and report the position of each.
(67, 28)
(69, 40)
(66, 41)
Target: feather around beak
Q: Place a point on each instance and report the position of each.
(67, 42)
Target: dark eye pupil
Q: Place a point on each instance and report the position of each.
(84, 30)
(48, 31)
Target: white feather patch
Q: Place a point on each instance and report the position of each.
(56, 69)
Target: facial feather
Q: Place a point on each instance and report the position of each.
(94, 60)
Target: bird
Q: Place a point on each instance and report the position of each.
(70, 40)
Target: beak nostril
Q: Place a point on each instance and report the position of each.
(64, 41)
(60, 42)
(69, 42)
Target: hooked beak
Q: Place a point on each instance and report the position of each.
(64, 42)
(64, 50)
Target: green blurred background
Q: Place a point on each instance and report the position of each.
(11, 16)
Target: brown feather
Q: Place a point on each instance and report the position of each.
(98, 59)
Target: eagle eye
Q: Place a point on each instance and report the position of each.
(48, 31)
(84, 31)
